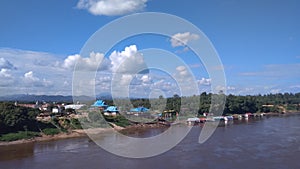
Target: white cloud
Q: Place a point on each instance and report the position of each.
(41, 69)
(186, 81)
(182, 71)
(29, 77)
(32, 80)
(5, 64)
(182, 39)
(70, 61)
(275, 91)
(104, 78)
(231, 88)
(91, 63)
(129, 61)
(103, 82)
(126, 79)
(166, 86)
(204, 81)
(181, 75)
(146, 79)
(5, 73)
(6, 79)
(111, 7)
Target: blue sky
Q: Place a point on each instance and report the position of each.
(257, 41)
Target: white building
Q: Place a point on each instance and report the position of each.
(74, 106)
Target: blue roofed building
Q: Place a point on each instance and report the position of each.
(100, 104)
(111, 111)
(139, 110)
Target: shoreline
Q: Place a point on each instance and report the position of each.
(42, 138)
(279, 114)
(77, 133)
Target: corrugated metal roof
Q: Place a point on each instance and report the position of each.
(111, 109)
(99, 103)
(139, 109)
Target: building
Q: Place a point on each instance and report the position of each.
(111, 111)
(138, 111)
(74, 106)
(100, 104)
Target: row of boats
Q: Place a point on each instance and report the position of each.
(194, 120)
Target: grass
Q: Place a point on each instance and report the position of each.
(19, 135)
(121, 121)
(75, 124)
(51, 131)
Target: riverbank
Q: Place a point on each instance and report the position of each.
(44, 138)
(280, 114)
(72, 134)
(84, 132)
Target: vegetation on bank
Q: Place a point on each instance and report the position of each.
(19, 135)
(20, 122)
(234, 104)
(118, 120)
(97, 119)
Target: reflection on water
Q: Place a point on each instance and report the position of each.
(16, 151)
(267, 143)
(143, 132)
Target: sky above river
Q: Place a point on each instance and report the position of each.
(258, 43)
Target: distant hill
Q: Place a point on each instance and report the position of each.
(56, 98)
(46, 98)
(104, 96)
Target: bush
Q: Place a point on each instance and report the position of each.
(122, 121)
(18, 136)
(75, 123)
(51, 131)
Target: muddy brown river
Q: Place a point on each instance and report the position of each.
(268, 143)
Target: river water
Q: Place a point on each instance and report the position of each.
(271, 142)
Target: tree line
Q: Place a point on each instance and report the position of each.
(234, 104)
(15, 118)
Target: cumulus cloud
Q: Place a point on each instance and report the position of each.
(129, 61)
(204, 81)
(15, 64)
(183, 75)
(5, 64)
(146, 79)
(31, 80)
(5, 73)
(29, 76)
(90, 63)
(111, 7)
(70, 61)
(126, 79)
(186, 81)
(182, 70)
(182, 39)
(6, 79)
